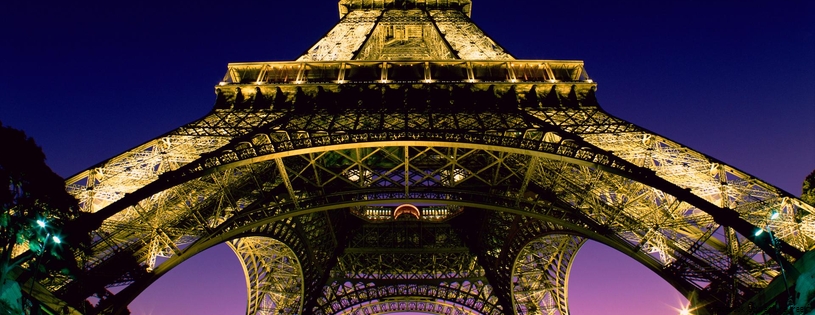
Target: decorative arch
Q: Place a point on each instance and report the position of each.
(532, 143)
(563, 219)
(274, 277)
(408, 209)
(540, 274)
(572, 185)
(456, 297)
(390, 307)
(521, 147)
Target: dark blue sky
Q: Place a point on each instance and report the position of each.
(732, 79)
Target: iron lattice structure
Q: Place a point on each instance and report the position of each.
(408, 162)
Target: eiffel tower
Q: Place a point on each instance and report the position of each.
(407, 162)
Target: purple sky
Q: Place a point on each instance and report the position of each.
(735, 80)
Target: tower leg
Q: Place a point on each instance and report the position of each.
(274, 277)
(540, 274)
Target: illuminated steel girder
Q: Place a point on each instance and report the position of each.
(408, 162)
(274, 275)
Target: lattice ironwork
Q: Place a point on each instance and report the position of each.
(274, 276)
(407, 162)
(465, 297)
(540, 275)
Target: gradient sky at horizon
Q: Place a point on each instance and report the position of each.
(732, 79)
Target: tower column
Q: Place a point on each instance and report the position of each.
(540, 275)
(274, 277)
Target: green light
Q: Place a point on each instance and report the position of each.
(759, 232)
(774, 215)
(56, 239)
(41, 223)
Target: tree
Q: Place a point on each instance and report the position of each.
(808, 189)
(32, 212)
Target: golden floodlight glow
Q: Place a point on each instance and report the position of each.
(406, 208)
(366, 130)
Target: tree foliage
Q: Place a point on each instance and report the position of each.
(34, 193)
(808, 189)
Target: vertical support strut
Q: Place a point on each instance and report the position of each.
(274, 277)
(284, 175)
(540, 275)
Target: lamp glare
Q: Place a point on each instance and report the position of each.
(759, 231)
(41, 223)
(56, 239)
(775, 215)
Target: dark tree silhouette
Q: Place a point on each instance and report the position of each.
(808, 189)
(34, 193)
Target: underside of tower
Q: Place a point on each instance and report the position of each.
(407, 162)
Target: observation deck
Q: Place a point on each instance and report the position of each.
(406, 71)
(465, 6)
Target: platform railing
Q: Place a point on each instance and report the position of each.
(406, 71)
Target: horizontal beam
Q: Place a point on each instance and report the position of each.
(346, 6)
(405, 71)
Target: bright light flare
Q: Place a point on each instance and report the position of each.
(774, 215)
(684, 309)
(41, 223)
(56, 239)
(759, 231)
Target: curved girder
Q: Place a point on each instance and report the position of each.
(705, 176)
(529, 259)
(530, 143)
(313, 261)
(411, 262)
(408, 305)
(540, 274)
(468, 297)
(273, 276)
(343, 201)
(564, 217)
(558, 162)
(110, 180)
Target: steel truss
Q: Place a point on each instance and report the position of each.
(427, 262)
(666, 234)
(616, 203)
(505, 168)
(541, 275)
(274, 276)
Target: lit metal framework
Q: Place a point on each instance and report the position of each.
(407, 162)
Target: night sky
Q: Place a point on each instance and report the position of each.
(734, 80)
